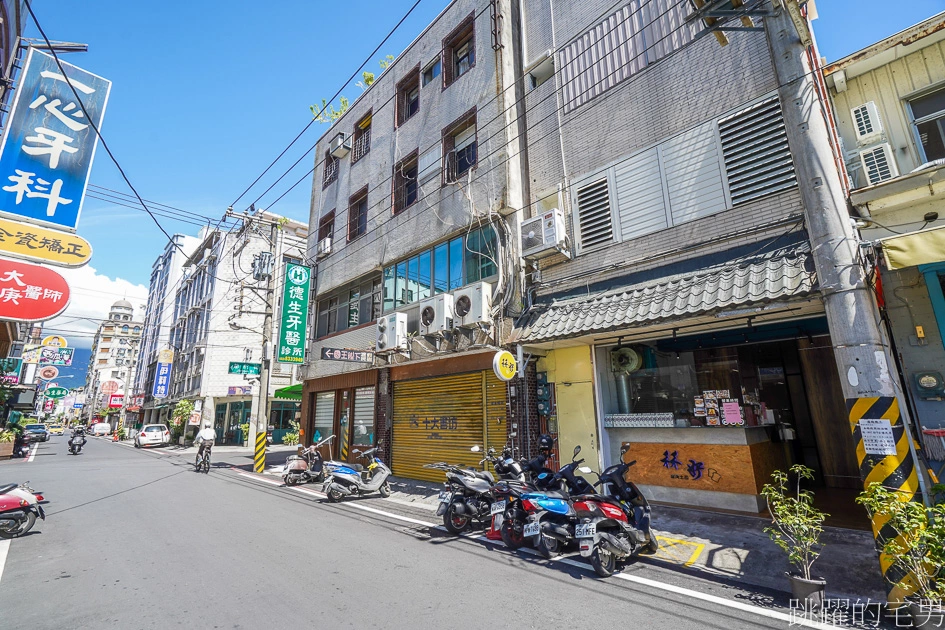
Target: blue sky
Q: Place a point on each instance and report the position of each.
(206, 94)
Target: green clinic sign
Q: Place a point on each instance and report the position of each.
(56, 392)
(294, 314)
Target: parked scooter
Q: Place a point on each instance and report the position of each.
(269, 431)
(21, 444)
(535, 477)
(551, 517)
(467, 495)
(614, 525)
(33, 498)
(344, 480)
(18, 515)
(308, 466)
(77, 441)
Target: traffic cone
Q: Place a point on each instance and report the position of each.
(493, 532)
(115, 436)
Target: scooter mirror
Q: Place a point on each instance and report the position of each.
(577, 449)
(475, 449)
(586, 470)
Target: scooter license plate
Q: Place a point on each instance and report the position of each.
(531, 529)
(586, 530)
(445, 497)
(498, 507)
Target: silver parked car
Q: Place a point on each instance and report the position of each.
(152, 435)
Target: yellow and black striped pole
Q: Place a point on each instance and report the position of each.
(344, 441)
(895, 472)
(259, 459)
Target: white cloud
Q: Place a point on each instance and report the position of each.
(92, 294)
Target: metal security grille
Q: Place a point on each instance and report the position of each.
(755, 147)
(594, 219)
(440, 419)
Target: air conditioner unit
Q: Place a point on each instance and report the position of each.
(544, 235)
(436, 314)
(324, 247)
(471, 305)
(391, 332)
(340, 145)
(878, 164)
(867, 124)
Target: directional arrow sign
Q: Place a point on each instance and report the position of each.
(56, 392)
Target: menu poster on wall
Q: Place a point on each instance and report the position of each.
(731, 412)
(712, 412)
(709, 394)
(698, 406)
(722, 393)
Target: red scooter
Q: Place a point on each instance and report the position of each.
(18, 514)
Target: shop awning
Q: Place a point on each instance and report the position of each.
(918, 248)
(776, 275)
(292, 392)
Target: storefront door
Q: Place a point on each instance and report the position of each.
(324, 423)
(362, 432)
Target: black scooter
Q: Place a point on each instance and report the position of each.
(76, 442)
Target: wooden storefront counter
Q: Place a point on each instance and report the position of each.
(721, 467)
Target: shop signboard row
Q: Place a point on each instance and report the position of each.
(47, 355)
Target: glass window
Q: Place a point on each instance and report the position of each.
(425, 282)
(413, 280)
(465, 57)
(376, 300)
(456, 263)
(401, 294)
(354, 307)
(363, 416)
(389, 288)
(929, 114)
(471, 256)
(431, 72)
(441, 281)
(489, 250)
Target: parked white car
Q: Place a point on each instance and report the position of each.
(152, 435)
(101, 428)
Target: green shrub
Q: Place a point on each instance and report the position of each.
(290, 438)
(797, 523)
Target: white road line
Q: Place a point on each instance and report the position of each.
(33, 453)
(4, 548)
(679, 590)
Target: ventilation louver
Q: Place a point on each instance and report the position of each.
(756, 152)
(878, 164)
(594, 218)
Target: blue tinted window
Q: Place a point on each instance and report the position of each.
(456, 263)
(425, 281)
(441, 263)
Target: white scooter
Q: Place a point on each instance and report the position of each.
(345, 480)
(308, 466)
(32, 498)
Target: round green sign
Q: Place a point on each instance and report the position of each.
(56, 392)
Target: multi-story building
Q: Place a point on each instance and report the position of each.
(215, 312)
(113, 361)
(166, 274)
(889, 106)
(415, 201)
(611, 194)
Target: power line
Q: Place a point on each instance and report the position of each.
(98, 133)
(322, 110)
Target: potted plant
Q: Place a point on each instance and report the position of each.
(797, 526)
(6, 444)
(244, 433)
(913, 541)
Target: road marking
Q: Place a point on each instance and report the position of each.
(675, 543)
(4, 548)
(33, 453)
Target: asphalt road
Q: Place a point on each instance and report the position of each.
(136, 539)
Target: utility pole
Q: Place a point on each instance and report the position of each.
(862, 357)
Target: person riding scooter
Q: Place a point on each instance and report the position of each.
(77, 441)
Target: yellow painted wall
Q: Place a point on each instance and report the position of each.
(577, 422)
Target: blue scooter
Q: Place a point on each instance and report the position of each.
(354, 479)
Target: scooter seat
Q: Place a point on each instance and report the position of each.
(6, 488)
(357, 467)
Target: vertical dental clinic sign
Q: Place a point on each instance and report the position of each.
(162, 374)
(294, 314)
(49, 143)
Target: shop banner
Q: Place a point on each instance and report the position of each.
(343, 354)
(47, 355)
(162, 375)
(115, 401)
(10, 370)
(49, 143)
(294, 314)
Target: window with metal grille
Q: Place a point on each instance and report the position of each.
(460, 146)
(357, 214)
(361, 144)
(406, 187)
(459, 51)
(330, 170)
(326, 226)
(408, 96)
(594, 218)
(755, 148)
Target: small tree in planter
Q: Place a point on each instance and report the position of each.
(915, 544)
(796, 530)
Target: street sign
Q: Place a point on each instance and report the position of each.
(30, 293)
(56, 392)
(294, 314)
(47, 355)
(245, 368)
(340, 354)
(116, 400)
(504, 365)
(39, 244)
(48, 372)
(109, 387)
(49, 141)
(162, 374)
